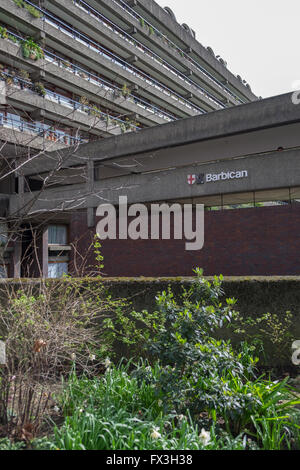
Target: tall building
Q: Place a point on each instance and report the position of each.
(74, 72)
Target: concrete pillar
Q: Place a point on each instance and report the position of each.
(45, 255)
(17, 259)
(90, 190)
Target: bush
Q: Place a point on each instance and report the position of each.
(46, 329)
(197, 372)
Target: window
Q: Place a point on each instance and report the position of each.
(3, 233)
(58, 250)
(3, 272)
(57, 269)
(57, 235)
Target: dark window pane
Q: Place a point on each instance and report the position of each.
(57, 235)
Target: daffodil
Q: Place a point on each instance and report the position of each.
(155, 434)
(107, 363)
(204, 437)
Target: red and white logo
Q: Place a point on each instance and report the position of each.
(191, 179)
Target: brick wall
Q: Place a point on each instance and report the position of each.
(242, 242)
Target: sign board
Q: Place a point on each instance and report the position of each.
(2, 354)
(214, 177)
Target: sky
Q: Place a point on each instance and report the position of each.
(258, 39)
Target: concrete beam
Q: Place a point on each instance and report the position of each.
(273, 171)
(277, 115)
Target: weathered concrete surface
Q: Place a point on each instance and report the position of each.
(2, 353)
(276, 113)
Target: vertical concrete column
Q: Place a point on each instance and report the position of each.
(90, 189)
(45, 253)
(17, 259)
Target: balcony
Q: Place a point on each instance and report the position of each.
(109, 62)
(57, 106)
(153, 114)
(35, 135)
(129, 44)
(145, 28)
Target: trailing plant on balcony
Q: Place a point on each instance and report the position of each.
(39, 89)
(3, 32)
(95, 111)
(31, 50)
(25, 75)
(30, 8)
(9, 80)
(142, 22)
(84, 101)
(19, 3)
(122, 127)
(125, 91)
(13, 39)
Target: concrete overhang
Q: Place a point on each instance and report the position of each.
(276, 113)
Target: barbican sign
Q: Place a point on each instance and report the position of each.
(215, 177)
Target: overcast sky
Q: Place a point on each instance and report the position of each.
(258, 39)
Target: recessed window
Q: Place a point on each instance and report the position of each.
(3, 272)
(3, 233)
(57, 235)
(58, 250)
(57, 269)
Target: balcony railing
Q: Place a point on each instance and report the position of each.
(94, 46)
(95, 80)
(110, 120)
(92, 78)
(35, 128)
(138, 17)
(145, 50)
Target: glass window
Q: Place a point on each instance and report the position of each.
(3, 272)
(57, 235)
(56, 270)
(3, 233)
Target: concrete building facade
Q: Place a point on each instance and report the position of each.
(104, 98)
(246, 164)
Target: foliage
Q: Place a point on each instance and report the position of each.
(197, 372)
(118, 413)
(7, 444)
(39, 89)
(272, 330)
(31, 50)
(84, 101)
(3, 32)
(46, 329)
(30, 8)
(126, 91)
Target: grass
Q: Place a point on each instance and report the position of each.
(116, 412)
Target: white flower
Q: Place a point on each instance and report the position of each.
(92, 357)
(107, 363)
(181, 417)
(73, 356)
(56, 409)
(159, 403)
(155, 434)
(204, 437)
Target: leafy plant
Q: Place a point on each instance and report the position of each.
(40, 89)
(3, 32)
(30, 8)
(32, 50)
(126, 91)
